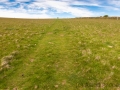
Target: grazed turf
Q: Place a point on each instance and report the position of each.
(68, 54)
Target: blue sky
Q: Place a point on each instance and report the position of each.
(58, 8)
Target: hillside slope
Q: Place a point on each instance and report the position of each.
(61, 54)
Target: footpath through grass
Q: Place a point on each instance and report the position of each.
(69, 54)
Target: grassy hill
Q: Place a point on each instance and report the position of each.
(59, 54)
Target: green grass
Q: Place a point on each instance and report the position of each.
(60, 54)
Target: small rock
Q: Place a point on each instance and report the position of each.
(56, 86)
(36, 87)
(15, 88)
(31, 60)
(110, 46)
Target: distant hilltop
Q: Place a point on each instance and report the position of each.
(101, 17)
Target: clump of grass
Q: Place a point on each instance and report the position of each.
(14, 53)
(5, 61)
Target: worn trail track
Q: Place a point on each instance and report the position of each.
(49, 64)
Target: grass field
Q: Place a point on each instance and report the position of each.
(60, 54)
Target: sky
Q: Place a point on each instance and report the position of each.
(58, 8)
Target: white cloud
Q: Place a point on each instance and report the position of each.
(51, 8)
(3, 0)
(114, 2)
(85, 3)
(109, 8)
(61, 7)
(22, 0)
(17, 14)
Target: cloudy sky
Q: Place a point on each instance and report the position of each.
(58, 8)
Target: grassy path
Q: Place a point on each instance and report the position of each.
(49, 65)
